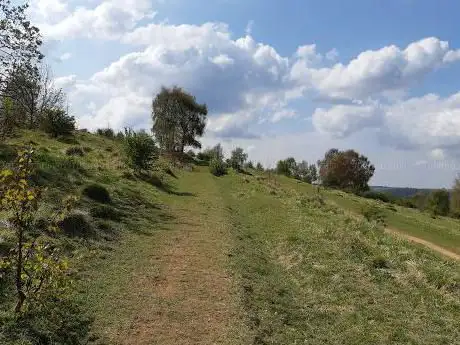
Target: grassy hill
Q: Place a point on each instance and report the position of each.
(184, 257)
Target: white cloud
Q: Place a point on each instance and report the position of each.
(342, 120)
(437, 154)
(249, 27)
(283, 114)
(108, 20)
(63, 57)
(332, 54)
(222, 60)
(429, 122)
(65, 82)
(374, 71)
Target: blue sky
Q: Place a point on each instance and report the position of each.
(281, 78)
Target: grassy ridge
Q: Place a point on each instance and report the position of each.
(442, 231)
(312, 274)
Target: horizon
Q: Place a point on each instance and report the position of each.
(377, 78)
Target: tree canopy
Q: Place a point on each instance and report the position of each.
(238, 158)
(19, 42)
(177, 119)
(301, 171)
(346, 170)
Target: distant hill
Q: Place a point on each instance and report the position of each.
(400, 192)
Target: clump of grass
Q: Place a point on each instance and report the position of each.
(97, 193)
(77, 224)
(380, 263)
(75, 151)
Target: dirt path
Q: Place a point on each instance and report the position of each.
(194, 300)
(428, 244)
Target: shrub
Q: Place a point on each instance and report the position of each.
(97, 193)
(105, 212)
(374, 213)
(76, 224)
(217, 167)
(75, 151)
(106, 132)
(439, 203)
(140, 150)
(57, 122)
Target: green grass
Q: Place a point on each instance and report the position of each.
(313, 274)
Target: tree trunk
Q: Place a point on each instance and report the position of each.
(21, 294)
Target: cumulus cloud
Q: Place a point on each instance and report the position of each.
(342, 120)
(108, 20)
(238, 78)
(66, 82)
(430, 122)
(374, 71)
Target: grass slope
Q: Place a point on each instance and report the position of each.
(442, 231)
(313, 274)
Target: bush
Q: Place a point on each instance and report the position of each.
(106, 132)
(439, 203)
(217, 167)
(76, 224)
(140, 150)
(105, 212)
(57, 122)
(97, 193)
(75, 151)
(374, 213)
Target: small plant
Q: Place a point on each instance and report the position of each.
(38, 268)
(57, 122)
(217, 167)
(373, 213)
(75, 151)
(97, 193)
(140, 150)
